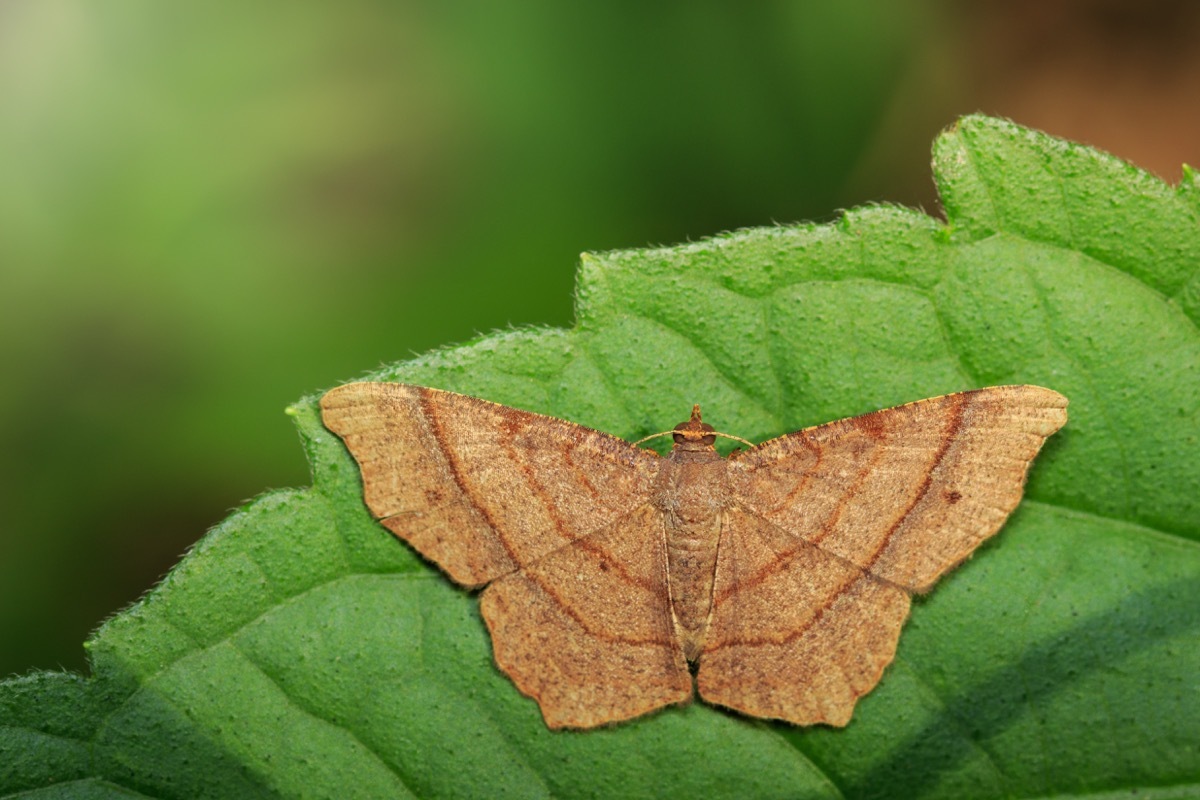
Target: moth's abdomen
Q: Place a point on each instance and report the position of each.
(693, 501)
(691, 561)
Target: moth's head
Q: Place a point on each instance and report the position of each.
(694, 434)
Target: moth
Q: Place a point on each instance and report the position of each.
(773, 582)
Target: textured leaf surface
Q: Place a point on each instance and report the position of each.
(300, 651)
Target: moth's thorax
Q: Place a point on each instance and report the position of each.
(692, 494)
(692, 484)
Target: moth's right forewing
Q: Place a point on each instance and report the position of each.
(480, 488)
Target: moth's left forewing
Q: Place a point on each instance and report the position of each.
(905, 493)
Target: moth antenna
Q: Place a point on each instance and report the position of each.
(714, 433)
(652, 436)
(731, 436)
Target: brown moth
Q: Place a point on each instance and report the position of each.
(781, 575)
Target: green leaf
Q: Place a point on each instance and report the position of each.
(299, 650)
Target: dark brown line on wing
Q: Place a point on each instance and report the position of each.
(435, 429)
(809, 474)
(800, 545)
(830, 524)
(947, 439)
(812, 621)
(581, 475)
(666, 640)
(780, 564)
(513, 426)
(588, 545)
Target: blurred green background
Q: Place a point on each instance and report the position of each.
(209, 209)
